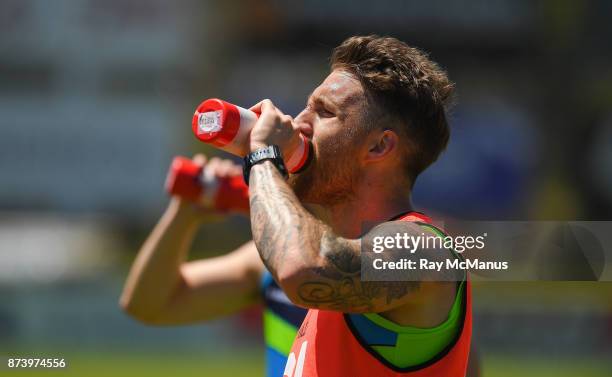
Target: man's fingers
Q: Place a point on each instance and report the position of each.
(236, 170)
(213, 164)
(267, 105)
(219, 168)
(225, 168)
(232, 168)
(199, 159)
(262, 106)
(256, 107)
(287, 120)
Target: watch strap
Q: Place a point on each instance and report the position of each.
(270, 153)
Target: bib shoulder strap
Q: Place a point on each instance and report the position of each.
(414, 216)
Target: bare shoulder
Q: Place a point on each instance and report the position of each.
(433, 293)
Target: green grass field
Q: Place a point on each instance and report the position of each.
(251, 364)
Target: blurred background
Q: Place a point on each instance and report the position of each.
(96, 97)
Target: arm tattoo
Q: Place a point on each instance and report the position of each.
(339, 286)
(286, 236)
(278, 221)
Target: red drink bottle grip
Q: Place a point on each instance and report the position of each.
(227, 127)
(189, 181)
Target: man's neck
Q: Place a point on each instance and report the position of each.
(364, 210)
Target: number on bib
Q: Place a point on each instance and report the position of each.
(293, 368)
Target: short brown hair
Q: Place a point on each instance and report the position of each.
(407, 88)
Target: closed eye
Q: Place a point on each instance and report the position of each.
(320, 106)
(325, 113)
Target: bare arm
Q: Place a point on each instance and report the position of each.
(162, 288)
(315, 267)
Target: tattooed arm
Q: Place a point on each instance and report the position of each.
(315, 267)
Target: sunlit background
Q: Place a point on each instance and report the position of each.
(96, 97)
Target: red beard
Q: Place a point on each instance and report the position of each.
(330, 178)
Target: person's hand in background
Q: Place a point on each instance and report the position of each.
(163, 287)
(215, 170)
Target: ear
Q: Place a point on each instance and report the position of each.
(381, 145)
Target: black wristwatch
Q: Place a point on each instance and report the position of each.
(272, 153)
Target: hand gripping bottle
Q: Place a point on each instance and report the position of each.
(228, 126)
(191, 182)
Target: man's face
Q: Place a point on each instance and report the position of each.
(332, 120)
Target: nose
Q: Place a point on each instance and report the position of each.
(304, 124)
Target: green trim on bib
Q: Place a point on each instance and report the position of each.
(278, 333)
(414, 345)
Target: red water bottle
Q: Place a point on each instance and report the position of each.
(227, 127)
(191, 182)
